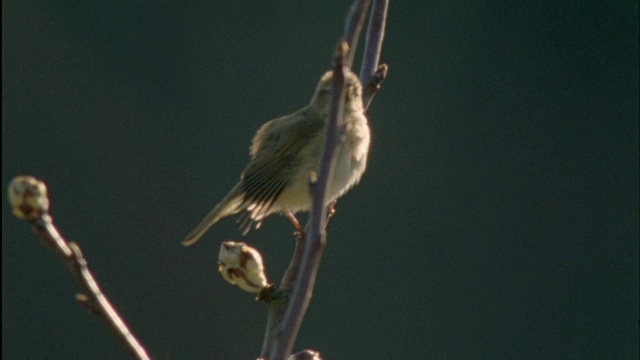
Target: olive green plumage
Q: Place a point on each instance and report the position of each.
(285, 153)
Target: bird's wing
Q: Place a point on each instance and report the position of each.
(275, 159)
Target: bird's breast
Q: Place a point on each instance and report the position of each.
(351, 160)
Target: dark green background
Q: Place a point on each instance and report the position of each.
(498, 217)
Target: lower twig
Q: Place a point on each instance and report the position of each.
(29, 200)
(93, 296)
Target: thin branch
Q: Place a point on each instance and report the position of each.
(276, 308)
(353, 27)
(375, 36)
(371, 74)
(316, 238)
(277, 303)
(27, 196)
(281, 334)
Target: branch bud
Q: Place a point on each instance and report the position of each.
(242, 265)
(28, 197)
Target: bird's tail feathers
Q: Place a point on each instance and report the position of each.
(231, 204)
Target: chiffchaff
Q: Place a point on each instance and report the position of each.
(285, 156)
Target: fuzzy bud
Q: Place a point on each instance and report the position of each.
(242, 265)
(28, 197)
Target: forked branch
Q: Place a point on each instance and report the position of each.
(307, 256)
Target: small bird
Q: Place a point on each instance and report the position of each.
(285, 157)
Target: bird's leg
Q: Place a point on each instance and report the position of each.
(299, 230)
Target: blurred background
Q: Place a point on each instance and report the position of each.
(498, 217)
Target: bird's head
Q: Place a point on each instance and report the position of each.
(321, 100)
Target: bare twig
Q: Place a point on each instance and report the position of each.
(353, 27)
(316, 238)
(372, 75)
(283, 326)
(27, 196)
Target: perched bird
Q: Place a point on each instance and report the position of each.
(285, 156)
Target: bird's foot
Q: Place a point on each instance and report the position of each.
(299, 232)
